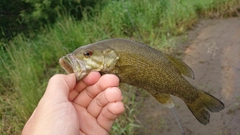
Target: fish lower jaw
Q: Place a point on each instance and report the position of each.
(80, 69)
(80, 75)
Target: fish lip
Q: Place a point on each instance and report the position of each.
(78, 66)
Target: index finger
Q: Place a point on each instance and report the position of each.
(89, 80)
(59, 85)
(90, 92)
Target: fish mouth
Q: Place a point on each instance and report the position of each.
(73, 65)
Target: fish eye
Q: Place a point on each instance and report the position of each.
(87, 53)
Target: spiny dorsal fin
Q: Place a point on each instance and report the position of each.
(181, 66)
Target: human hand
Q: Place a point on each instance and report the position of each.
(70, 108)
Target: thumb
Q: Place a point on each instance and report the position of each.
(59, 87)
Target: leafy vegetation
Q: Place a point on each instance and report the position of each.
(27, 62)
(22, 16)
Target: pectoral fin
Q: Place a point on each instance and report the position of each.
(165, 99)
(181, 66)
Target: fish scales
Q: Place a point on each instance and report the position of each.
(152, 70)
(144, 67)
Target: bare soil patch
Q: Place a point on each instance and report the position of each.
(213, 52)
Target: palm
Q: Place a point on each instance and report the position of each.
(88, 107)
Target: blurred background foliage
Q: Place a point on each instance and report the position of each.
(20, 16)
(34, 34)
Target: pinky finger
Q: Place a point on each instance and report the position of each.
(109, 114)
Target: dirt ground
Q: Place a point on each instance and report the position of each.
(213, 52)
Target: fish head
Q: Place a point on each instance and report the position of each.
(89, 58)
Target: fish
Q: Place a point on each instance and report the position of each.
(147, 68)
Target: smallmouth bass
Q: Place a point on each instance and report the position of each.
(144, 67)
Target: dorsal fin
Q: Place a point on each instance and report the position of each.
(181, 66)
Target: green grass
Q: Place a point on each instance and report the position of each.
(28, 63)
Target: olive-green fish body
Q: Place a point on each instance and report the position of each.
(145, 67)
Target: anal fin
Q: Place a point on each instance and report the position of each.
(165, 99)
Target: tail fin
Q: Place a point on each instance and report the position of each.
(204, 103)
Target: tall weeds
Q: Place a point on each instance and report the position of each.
(28, 63)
